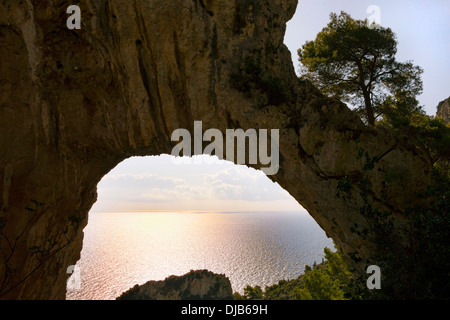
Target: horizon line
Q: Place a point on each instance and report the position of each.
(198, 211)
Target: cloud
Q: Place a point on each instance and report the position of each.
(145, 180)
(242, 183)
(192, 185)
(149, 188)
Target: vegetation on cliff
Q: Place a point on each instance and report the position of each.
(355, 63)
(329, 280)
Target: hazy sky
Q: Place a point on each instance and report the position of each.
(157, 183)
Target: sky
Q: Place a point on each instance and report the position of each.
(160, 183)
(422, 28)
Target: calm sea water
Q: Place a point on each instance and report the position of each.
(121, 249)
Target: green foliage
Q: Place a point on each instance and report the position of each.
(330, 280)
(412, 126)
(253, 293)
(357, 64)
(344, 188)
(238, 296)
(319, 286)
(415, 259)
(421, 270)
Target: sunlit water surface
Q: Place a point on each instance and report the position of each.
(121, 249)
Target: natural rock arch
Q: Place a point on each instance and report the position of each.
(74, 103)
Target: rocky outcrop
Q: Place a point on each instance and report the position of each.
(443, 110)
(75, 103)
(195, 285)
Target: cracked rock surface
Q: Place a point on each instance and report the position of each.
(75, 103)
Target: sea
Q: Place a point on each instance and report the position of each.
(122, 249)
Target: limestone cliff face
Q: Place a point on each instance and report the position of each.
(200, 284)
(75, 103)
(443, 110)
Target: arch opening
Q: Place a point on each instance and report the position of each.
(159, 216)
(111, 102)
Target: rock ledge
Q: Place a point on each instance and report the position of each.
(195, 285)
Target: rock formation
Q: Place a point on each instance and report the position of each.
(75, 103)
(195, 285)
(443, 110)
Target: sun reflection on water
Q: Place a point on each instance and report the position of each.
(121, 249)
